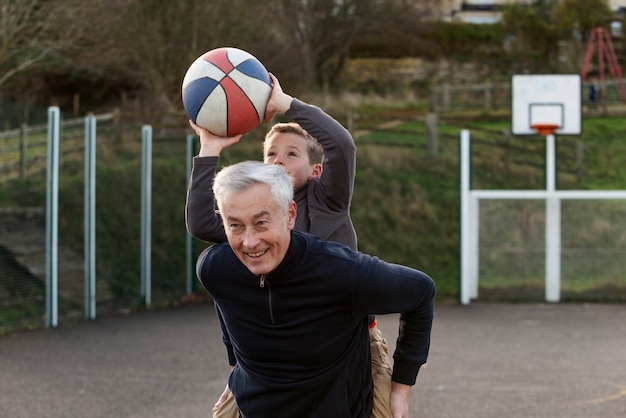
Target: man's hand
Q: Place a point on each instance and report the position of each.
(399, 401)
(212, 145)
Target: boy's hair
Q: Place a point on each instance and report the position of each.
(314, 149)
(241, 176)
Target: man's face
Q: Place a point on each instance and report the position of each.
(289, 150)
(257, 229)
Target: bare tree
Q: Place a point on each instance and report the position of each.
(316, 34)
(582, 16)
(89, 47)
(29, 35)
(157, 40)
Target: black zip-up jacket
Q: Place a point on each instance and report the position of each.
(300, 334)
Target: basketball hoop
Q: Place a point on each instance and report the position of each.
(545, 129)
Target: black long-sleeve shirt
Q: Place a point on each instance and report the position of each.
(300, 334)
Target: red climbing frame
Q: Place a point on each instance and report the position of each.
(600, 40)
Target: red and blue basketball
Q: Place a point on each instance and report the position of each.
(225, 91)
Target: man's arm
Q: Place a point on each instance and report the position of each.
(232, 360)
(381, 288)
(231, 355)
(385, 288)
(399, 401)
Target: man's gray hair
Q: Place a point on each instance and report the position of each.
(241, 176)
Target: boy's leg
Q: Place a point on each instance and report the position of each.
(228, 409)
(381, 374)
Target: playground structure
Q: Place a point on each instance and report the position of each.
(600, 43)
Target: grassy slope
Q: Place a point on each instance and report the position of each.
(405, 207)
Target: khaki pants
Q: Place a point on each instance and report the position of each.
(381, 375)
(228, 409)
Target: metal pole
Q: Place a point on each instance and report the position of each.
(146, 199)
(553, 226)
(90, 217)
(465, 218)
(190, 247)
(52, 218)
(23, 151)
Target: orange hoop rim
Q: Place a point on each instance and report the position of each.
(545, 128)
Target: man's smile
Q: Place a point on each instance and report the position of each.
(257, 254)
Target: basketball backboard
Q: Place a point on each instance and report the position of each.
(550, 99)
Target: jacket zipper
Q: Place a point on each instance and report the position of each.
(269, 296)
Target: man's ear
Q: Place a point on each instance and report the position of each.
(316, 172)
(292, 212)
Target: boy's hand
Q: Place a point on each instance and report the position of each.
(212, 145)
(279, 101)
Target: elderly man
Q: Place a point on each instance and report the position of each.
(296, 307)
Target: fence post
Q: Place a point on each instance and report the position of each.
(52, 218)
(580, 159)
(446, 97)
(146, 215)
(191, 140)
(434, 99)
(432, 137)
(507, 144)
(90, 217)
(350, 121)
(23, 148)
(488, 98)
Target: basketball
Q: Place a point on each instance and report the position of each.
(225, 91)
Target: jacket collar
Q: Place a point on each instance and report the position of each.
(292, 259)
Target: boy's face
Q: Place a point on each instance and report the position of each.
(290, 151)
(257, 229)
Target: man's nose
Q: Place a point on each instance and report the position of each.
(250, 238)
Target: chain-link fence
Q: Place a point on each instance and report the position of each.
(494, 98)
(512, 250)
(499, 160)
(23, 224)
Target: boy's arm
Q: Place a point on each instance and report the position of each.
(339, 167)
(337, 181)
(202, 219)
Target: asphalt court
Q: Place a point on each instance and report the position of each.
(486, 360)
